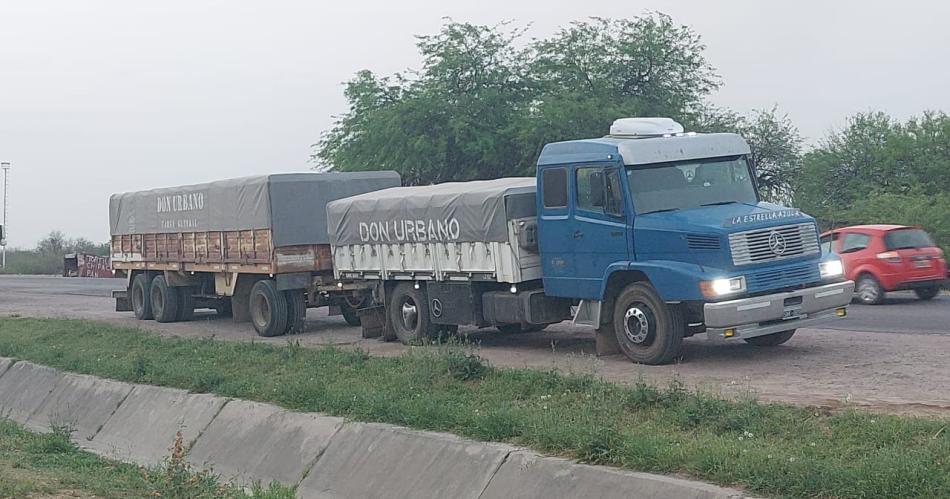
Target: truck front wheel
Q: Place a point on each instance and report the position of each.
(268, 309)
(409, 314)
(648, 330)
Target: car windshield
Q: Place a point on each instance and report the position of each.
(907, 238)
(691, 184)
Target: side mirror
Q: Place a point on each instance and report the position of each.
(597, 189)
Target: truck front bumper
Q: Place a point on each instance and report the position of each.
(768, 314)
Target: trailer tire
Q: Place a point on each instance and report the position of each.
(296, 311)
(139, 296)
(186, 303)
(409, 314)
(268, 309)
(649, 330)
(771, 340)
(164, 300)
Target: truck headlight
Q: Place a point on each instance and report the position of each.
(831, 268)
(722, 287)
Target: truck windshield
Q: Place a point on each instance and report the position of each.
(691, 184)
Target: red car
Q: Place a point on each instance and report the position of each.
(881, 258)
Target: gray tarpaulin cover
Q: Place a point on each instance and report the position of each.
(292, 205)
(449, 212)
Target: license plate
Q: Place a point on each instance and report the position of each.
(922, 264)
(791, 313)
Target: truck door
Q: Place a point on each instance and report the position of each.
(555, 230)
(599, 229)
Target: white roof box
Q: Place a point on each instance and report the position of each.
(645, 127)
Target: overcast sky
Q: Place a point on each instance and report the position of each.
(105, 96)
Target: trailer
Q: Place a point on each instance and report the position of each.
(256, 247)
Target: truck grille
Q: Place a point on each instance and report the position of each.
(702, 242)
(773, 243)
(790, 276)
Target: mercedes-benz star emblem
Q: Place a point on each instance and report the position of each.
(436, 307)
(777, 243)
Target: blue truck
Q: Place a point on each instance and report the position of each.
(647, 235)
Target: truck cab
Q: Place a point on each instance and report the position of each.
(660, 234)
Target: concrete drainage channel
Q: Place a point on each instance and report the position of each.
(323, 456)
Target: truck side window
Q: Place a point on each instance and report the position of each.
(614, 195)
(554, 183)
(854, 242)
(590, 189)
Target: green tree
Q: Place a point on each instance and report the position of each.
(482, 107)
(880, 170)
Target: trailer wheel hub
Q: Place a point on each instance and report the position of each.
(410, 314)
(636, 324)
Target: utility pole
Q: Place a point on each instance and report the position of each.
(5, 166)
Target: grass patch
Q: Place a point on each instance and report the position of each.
(769, 449)
(50, 465)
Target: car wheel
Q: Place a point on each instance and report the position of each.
(927, 293)
(268, 309)
(869, 290)
(409, 314)
(648, 330)
(141, 301)
(771, 340)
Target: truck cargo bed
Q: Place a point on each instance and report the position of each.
(479, 230)
(267, 224)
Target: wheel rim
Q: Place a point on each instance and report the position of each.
(261, 311)
(868, 291)
(638, 324)
(410, 314)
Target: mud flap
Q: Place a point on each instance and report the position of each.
(122, 302)
(606, 341)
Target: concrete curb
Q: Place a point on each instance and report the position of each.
(377, 460)
(250, 441)
(529, 475)
(324, 456)
(23, 388)
(143, 428)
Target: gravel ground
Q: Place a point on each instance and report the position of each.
(892, 358)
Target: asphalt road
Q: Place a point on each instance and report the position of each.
(901, 312)
(892, 358)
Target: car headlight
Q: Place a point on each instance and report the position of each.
(831, 268)
(722, 287)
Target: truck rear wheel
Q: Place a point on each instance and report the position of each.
(186, 303)
(648, 330)
(771, 340)
(164, 300)
(141, 302)
(296, 311)
(268, 309)
(409, 314)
